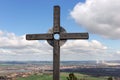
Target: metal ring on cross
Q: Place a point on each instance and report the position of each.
(62, 42)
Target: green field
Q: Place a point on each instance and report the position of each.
(62, 77)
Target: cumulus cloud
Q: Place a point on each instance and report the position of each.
(99, 17)
(13, 47)
(85, 44)
(83, 49)
(88, 50)
(118, 52)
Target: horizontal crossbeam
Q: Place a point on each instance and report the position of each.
(39, 36)
(74, 36)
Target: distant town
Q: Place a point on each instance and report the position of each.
(13, 69)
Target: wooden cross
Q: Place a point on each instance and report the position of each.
(56, 43)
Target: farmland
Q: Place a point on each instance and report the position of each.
(83, 70)
(62, 77)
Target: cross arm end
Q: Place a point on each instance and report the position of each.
(74, 36)
(39, 36)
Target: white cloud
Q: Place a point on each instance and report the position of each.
(14, 47)
(99, 17)
(118, 52)
(93, 44)
(83, 50)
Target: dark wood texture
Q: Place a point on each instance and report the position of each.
(74, 36)
(56, 22)
(56, 42)
(39, 36)
(56, 60)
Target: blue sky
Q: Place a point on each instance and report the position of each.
(19, 17)
(30, 16)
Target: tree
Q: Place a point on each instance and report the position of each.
(110, 78)
(72, 77)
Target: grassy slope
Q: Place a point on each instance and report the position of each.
(62, 77)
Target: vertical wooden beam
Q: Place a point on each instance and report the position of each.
(56, 60)
(56, 23)
(56, 45)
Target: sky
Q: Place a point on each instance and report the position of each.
(100, 18)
